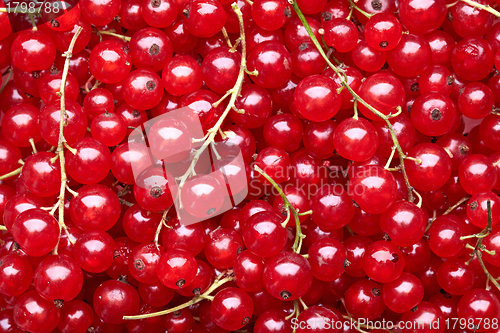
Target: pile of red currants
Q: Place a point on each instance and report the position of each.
(367, 199)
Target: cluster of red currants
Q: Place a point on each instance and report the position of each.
(371, 149)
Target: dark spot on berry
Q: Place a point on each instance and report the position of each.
(415, 87)
(240, 249)
(302, 46)
(1, 262)
(450, 17)
(126, 49)
(54, 23)
(180, 283)
(355, 204)
(35, 75)
(123, 279)
(155, 3)
(136, 113)
(15, 246)
(154, 49)
(29, 95)
(327, 16)
(283, 210)
(436, 114)
(461, 91)
(414, 309)
(409, 107)
(197, 292)
(156, 192)
(150, 85)
(116, 254)
(185, 12)
(376, 5)
(285, 294)
(211, 211)
(346, 263)
(288, 12)
(376, 292)
(387, 237)
(395, 258)
(245, 321)
(473, 205)
(58, 303)
(463, 149)
(450, 79)
(176, 314)
(139, 264)
(90, 330)
(383, 44)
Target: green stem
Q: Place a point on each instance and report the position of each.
(297, 244)
(195, 300)
(12, 173)
(353, 5)
(233, 92)
(2, 227)
(356, 97)
(125, 38)
(483, 7)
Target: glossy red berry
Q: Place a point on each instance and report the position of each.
(327, 257)
(50, 117)
(455, 277)
(263, 234)
(411, 56)
(472, 58)
(109, 61)
(316, 98)
(176, 268)
(32, 313)
(355, 139)
(91, 163)
(273, 63)
(373, 188)
(444, 236)
(363, 299)
(58, 278)
(382, 91)
(20, 125)
(433, 114)
(36, 231)
(489, 310)
(204, 18)
(33, 50)
(287, 276)
(16, 274)
(431, 169)
(422, 18)
(231, 309)
(383, 261)
(403, 294)
(115, 299)
(383, 31)
(477, 174)
(404, 223)
(94, 251)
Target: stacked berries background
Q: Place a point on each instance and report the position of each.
(370, 136)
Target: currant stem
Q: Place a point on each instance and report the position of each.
(448, 211)
(233, 92)
(195, 300)
(103, 32)
(61, 142)
(477, 250)
(7, 81)
(160, 225)
(340, 73)
(389, 161)
(419, 204)
(32, 143)
(483, 7)
(297, 244)
(226, 37)
(12, 173)
(2, 227)
(353, 5)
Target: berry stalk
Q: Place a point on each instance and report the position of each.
(356, 97)
(62, 141)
